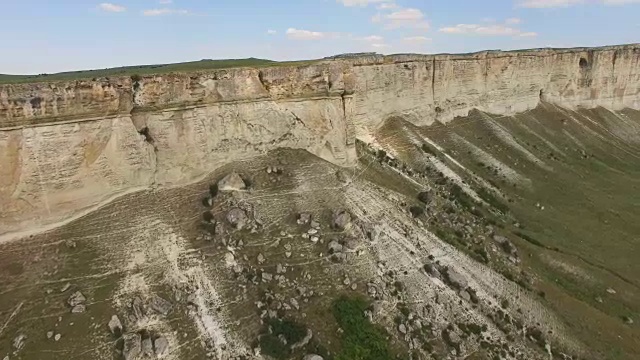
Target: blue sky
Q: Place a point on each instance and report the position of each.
(51, 36)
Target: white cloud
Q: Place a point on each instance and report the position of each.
(387, 6)
(513, 21)
(362, 2)
(407, 18)
(373, 38)
(112, 7)
(540, 4)
(271, 32)
(620, 2)
(416, 39)
(379, 45)
(165, 2)
(488, 30)
(298, 34)
(164, 11)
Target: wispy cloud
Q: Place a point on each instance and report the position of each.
(488, 30)
(299, 34)
(165, 2)
(387, 6)
(541, 4)
(362, 2)
(416, 39)
(109, 7)
(513, 21)
(164, 11)
(403, 18)
(271, 32)
(373, 38)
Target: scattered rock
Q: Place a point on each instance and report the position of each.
(147, 347)
(49, 334)
(115, 325)
(302, 343)
(280, 269)
(160, 305)
(260, 258)
(266, 277)
(161, 346)
(451, 337)
(65, 287)
(231, 182)
(78, 309)
(237, 218)
(611, 291)
(18, 341)
(57, 337)
(341, 220)
(76, 299)
(138, 307)
(370, 231)
(456, 279)
(132, 346)
(312, 357)
(627, 320)
(465, 295)
(304, 218)
(334, 247)
(402, 328)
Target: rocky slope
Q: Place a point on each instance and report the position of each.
(67, 146)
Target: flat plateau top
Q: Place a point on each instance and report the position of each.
(208, 64)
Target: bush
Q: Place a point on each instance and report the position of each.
(428, 150)
(416, 210)
(492, 200)
(272, 346)
(461, 197)
(529, 239)
(425, 197)
(361, 339)
(291, 330)
(136, 77)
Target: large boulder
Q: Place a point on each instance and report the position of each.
(160, 305)
(132, 347)
(341, 219)
(115, 325)
(456, 279)
(231, 182)
(237, 218)
(312, 357)
(161, 346)
(76, 299)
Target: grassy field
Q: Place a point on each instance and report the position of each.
(142, 70)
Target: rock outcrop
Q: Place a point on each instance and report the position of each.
(67, 146)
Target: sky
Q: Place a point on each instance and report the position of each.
(47, 36)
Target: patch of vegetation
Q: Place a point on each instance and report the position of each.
(416, 210)
(424, 197)
(461, 197)
(361, 340)
(426, 148)
(490, 199)
(529, 239)
(270, 342)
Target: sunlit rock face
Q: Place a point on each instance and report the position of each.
(68, 146)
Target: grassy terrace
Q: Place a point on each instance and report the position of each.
(148, 70)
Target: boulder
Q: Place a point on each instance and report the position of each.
(78, 309)
(341, 220)
(231, 182)
(237, 218)
(115, 325)
(147, 347)
(18, 342)
(160, 305)
(76, 299)
(304, 218)
(132, 347)
(161, 347)
(456, 279)
(138, 308)
(334, 247)
(312, 357)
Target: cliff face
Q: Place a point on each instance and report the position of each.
(66, 146)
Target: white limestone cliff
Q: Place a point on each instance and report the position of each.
(66, 146)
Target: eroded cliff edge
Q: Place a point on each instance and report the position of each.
(65, 146)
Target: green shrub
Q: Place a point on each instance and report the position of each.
(529, 238)
(291, 330)
(361, 340)
(428, 149)
(488, 197)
